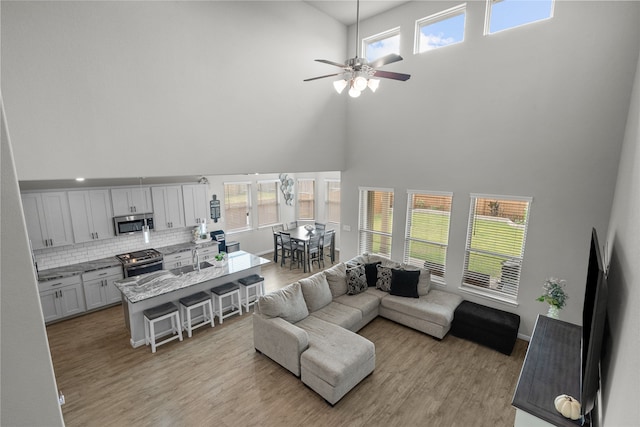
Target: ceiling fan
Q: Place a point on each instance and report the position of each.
(358, 73)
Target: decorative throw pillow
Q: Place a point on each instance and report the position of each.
(404, 283)
(287, 303)
(384, 278)
(337, 279)
(356, 280)
(316, 292)
(424, 284)
(372, 273)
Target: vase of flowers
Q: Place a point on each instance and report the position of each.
(554, 295)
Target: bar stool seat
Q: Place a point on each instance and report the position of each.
(219, 293)
(197, 300)
(252, 287)
(157, 314)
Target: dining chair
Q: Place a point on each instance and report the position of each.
(290, 249)
(277, 240)
(328, 247)
(292, 225)
(320, 226)
(316, 243)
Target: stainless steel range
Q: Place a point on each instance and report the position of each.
(140, 262)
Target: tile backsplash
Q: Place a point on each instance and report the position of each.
(82, 252)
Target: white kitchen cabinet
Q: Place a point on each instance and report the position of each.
(61, 298)
(131, 200)
(196, 206)
(208, 253)
(48, 219)
(99, 289)
(91, 215)
(176, 260)
(168, 207)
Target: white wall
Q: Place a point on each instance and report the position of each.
(536, 111)
(29, 392)
(186, 86)
(621, 376)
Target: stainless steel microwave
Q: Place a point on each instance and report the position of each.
(132, 224)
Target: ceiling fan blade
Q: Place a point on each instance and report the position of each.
(321, 77)
(387, 59)
(326, 61)
(392, 75)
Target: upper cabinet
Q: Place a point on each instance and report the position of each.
(48, 219)
(168, 207)
(133, 200)
(196, 209)
(91, 215)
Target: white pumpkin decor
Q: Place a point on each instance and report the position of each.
(568, 406)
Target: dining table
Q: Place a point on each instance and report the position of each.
(303, 236)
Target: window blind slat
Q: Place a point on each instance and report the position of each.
(375, 221)
(268, 203)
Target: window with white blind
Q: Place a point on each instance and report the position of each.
(375, 221)
(306, 199)
(268, 203)
(496, 238)
(427, 230)
(332, 201)
(237, 206)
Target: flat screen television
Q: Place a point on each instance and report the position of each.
(594, 315)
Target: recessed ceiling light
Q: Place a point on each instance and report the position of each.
(79, 179)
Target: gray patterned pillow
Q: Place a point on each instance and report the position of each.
(356, 280)
(384, 278)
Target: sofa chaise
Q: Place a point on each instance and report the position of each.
(309, 327)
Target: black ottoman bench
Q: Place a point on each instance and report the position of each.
(488, 326)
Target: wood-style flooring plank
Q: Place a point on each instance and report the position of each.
(217, 378)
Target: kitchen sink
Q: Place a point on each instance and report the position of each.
(189, 268)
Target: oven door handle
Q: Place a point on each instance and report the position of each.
(147, 265)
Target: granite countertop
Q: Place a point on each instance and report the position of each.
(99, 264)
(76, 269)
(187, 246)
(150, 285)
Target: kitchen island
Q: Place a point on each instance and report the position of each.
(150, 290)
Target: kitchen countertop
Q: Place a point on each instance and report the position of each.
(77, 269)
(146, 286)
(99, 264)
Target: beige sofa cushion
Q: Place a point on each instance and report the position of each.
(366, 302)
(339, 314)
(316, 292)
(436, 307)
(337, 279)
(287, 303)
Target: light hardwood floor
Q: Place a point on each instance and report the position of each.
(216, 378)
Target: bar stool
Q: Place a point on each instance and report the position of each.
(200, 299)
(251, 283)
(219, 293)
(157, 314)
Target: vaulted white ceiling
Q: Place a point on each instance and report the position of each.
(345, 10)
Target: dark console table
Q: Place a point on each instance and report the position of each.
(551, 368)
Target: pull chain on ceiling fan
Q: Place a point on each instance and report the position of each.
(358, 73)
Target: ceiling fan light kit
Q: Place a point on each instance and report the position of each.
(358, 73)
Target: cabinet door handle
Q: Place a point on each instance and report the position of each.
(56, 284)
(51, 242)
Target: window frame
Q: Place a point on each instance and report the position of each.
(299, 199)
(363, 246)
(437, 278)
(327, 202)
(248, 206)
(489, 292)
(275, 183)
(488, 12)
(387, 34)
(452, 12)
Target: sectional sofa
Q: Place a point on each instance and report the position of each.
(309, 327)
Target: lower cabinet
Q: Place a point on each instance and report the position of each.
(61, 298)
(177, 260)
(99, 289)
(208, 253)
